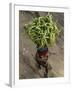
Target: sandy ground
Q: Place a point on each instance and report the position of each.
(27, 49)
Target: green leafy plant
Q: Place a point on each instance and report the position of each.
(43, 31)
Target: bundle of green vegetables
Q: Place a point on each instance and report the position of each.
(43, 31)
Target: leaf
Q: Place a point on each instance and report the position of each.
(43, 30)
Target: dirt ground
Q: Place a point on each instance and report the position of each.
(27, 50)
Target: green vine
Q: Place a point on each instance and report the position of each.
(43, 31)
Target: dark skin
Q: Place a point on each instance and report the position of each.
(42, 61)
